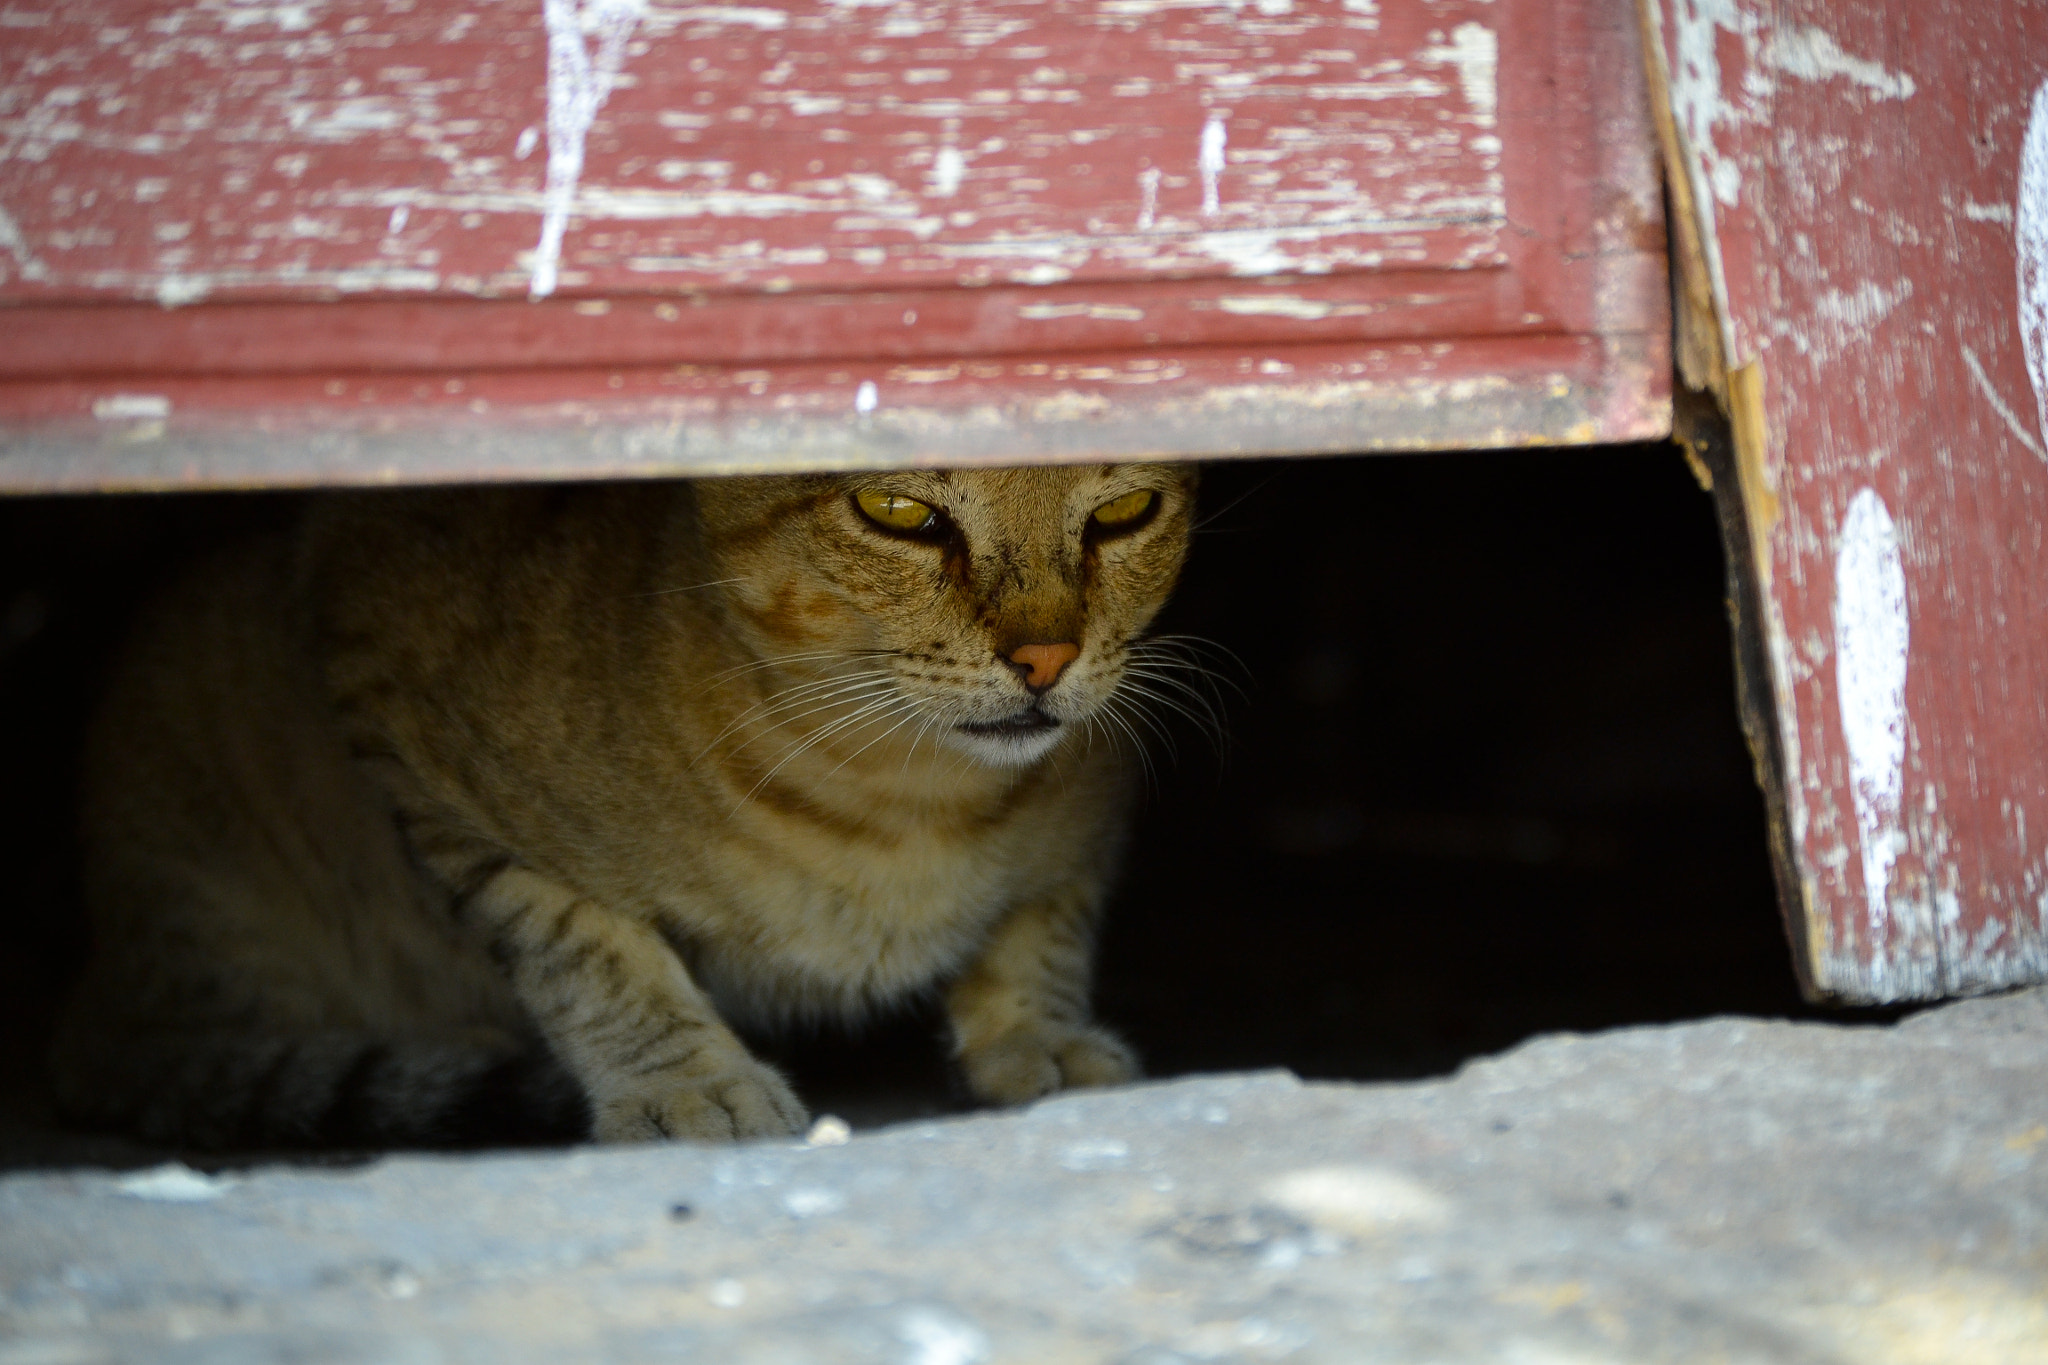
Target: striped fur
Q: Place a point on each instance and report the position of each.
(483, 814)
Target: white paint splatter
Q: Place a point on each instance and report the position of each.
(948, 167)
(1811, 54)
(1871, 640)
(1209, 161)
(2031, 245)
(578, 86)
(1987, 213)
(1148, 197)
(399, 217)
(1475, 51)
(866, 398)
(529, 138)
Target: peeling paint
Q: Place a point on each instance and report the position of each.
(948, 167)
(1100, 312)
(1812, 54)
(578, 86)
(1209, 160)
(1871, 644)
(2031, 248)
(1276, 306)
(1475, 52)
(18, 247)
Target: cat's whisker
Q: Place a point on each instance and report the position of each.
(1184, 700)
(805, 656)
(875, 695)
(714, 583)
(789, 696)
(1110, 714)
(911, 704)
(1152, 722)
(817, 737)
(782, 701)
(1175, 678)
(1185, 652)
(931, 719)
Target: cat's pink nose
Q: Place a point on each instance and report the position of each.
(1044, 663)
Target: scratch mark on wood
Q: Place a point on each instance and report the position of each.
(1998, 405)
(1871, 644)
(577, 88)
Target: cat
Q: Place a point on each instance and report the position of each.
(460, 815)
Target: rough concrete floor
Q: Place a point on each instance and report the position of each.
(1730, 1191)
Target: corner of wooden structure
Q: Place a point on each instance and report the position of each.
(1715, 448)
(1719, 422)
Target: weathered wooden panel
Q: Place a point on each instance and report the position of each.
(599, 210)
(1866, 180)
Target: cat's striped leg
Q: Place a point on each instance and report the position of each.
(1021, 1022)
(618, 1007)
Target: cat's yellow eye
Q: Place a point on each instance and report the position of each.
(895, 511)
(1121, 512)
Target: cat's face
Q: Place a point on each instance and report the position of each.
(993, 611)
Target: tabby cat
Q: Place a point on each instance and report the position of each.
(455, 806)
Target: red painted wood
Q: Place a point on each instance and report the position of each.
(1858, 166)
(249, 191)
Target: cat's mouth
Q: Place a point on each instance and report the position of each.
(1028, 723)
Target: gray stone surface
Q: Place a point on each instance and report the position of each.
(1731, 1191)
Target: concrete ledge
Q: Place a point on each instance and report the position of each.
(1731, 1190)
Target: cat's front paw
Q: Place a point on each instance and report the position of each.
(745, 1100)
(1025, 1063)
